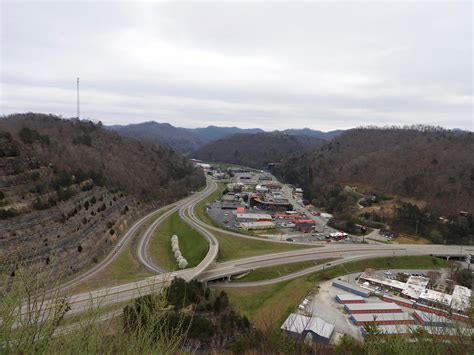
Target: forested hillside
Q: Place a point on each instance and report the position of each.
(430, 164)
(256, 150)
(69, 188)
(182, 140)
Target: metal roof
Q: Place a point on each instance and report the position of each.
(371, 306)
(253, 216)
(299, 324)
(369, 317)
(347, 297)
(431, 317)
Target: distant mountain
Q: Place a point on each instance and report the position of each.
(313, 133)
(179, 139)
(256, 149)
(212, 133)
(186, 140)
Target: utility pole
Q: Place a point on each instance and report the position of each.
(78, 111)
(416, 229)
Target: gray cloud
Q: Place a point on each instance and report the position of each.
(273, 65)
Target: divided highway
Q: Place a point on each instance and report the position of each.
(207, 270)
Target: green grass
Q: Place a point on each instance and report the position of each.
(232, 247)
(193, 245)
(273, 272)
(273, 303)
(125, 268)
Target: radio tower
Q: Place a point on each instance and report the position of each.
(78, 112)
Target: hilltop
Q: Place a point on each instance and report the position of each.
(430, 164)
(256, 150)
(188, 140)
(70, 188)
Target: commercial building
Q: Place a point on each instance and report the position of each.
(304, 225)
(288, 216)
(359, 308)
(435, 298)
(377, 280)
(346, 286)
(230, 205)
(253, 217)
(461, 298)
(257, 225)
(415, 286)
(299, 325)
(382, 318)
(346, 299)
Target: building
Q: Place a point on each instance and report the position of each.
(299, 325)
(356, 290)
(409, 330)
(230, 205)
(404, 302)
(261, 189)
(415, 286)
(435, 298)
(240, 209)
(461, 298)
(346, 299)
(304, 225)
(382, 318)
(257, 225)
(359, 308)
(253, 217)
(288, 216)
(430, 319)
(377, 280)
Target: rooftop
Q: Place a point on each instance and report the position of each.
(368, 317)
(372, 306)
(297, 323)
(461, 298)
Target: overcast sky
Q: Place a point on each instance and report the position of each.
(322, 65)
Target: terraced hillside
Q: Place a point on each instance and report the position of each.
(69, 189)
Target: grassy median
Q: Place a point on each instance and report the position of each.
(273, 272)
(232, 247)
(193, 245)
(271, 304)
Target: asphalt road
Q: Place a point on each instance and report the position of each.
(208, 270)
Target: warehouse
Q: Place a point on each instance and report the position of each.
(299, 325)
(356, 308)
(404, 302)
(430, 319)
(253, 217)
(461, 298)
(382, 318)
(346, 299)
(346, 286)
(257, 225)
(435, 298)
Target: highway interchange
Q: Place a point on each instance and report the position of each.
(209, 270)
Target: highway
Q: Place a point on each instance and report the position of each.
(208, 270)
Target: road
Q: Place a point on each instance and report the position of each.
(208, 270)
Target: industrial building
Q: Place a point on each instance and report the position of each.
(257, 225)
(346, 286)
(359, 308)
(415, 286)
(382, 318)
(346, 299)
(299, 325)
